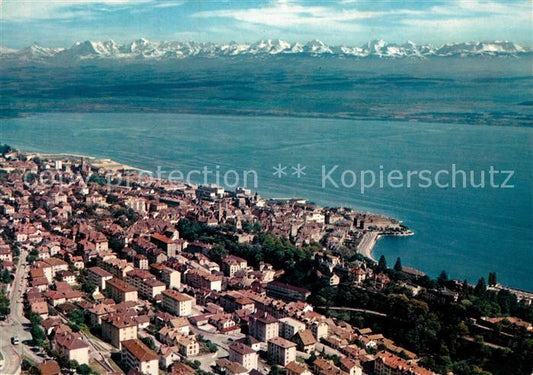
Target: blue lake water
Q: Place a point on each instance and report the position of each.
(466, 231)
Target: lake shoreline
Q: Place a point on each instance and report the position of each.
(454, 226)
(365, 247)
(105, 163)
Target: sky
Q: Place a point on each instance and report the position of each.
(60, 23)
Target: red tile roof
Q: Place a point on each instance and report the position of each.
(139, 350)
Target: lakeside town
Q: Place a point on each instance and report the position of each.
(153, 276)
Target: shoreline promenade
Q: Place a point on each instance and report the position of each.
(367, 243)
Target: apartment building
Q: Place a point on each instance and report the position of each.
(286, 292)
(117, 328)
(200, 279)
(98, 276)
(169, 246)
(72, 347)
(136, 355)
(171, 278)
(263, 326)
(288, 327)
(146, 283)
(120, 290)
(177, 303)
(232, 264)
(243, 355)
(281, 351)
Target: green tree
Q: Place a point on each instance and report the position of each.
(32, 256)
(443, 278)
(149, 342)
(86, 285)
(275, 370)
(507, 301)
(5, 277)
(382, 263)
(251, 228)
(218, 252)
(99, 179)
(312, 358)
(30, 178)
(481, 287)
(212, 347)
(398, 265)
(116, 244)
(5, 149)
(466, 288)
(38, 335)
(85, 370)
(112, 199)
(77, 317)
(34, 318)
(492, 278)
(4, 305)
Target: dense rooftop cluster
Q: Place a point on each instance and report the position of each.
(151, 275)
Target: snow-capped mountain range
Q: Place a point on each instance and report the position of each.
(144, 49)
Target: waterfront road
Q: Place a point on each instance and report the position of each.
(367, 243)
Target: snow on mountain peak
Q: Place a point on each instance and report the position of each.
(480, 48)
(270, 46)
(36, 51)
(145, 49)
(317, 47)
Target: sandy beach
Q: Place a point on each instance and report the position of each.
(366, 246)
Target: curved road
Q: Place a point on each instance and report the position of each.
(371, 312)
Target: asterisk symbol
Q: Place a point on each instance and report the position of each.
(279, 171)
(299, 170)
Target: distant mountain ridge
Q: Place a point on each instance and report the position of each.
(145, 49)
